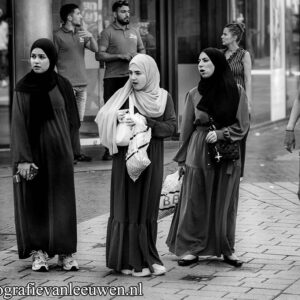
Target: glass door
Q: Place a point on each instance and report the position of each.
(256, 17)
(4, 75)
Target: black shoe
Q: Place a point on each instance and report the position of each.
(187, 262)
(233, 262)
(82, 157)
(107, 156)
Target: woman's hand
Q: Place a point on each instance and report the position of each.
(129, 120)
(25, 170)
(121, 115)
(211, 137)
(289, 140)
(181, 171)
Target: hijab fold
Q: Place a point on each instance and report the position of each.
(150, 101)
(220, 95)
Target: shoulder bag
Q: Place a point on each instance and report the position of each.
(223, 150)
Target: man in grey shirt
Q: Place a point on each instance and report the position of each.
(70, 41)
(118, 43)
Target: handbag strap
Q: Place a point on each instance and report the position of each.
(131, 105)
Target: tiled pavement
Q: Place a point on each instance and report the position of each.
(268, 236)
(268, 240)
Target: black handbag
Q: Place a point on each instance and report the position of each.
(223, 150)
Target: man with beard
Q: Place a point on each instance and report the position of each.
(70, 41)
(118, 43)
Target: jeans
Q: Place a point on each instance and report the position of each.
(80, 93)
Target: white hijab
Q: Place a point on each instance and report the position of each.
(150, 101)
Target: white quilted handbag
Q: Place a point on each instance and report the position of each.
(137, 159)
(124, 132)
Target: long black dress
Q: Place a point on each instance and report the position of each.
(132, 225)
(45, 213)
(204, 221)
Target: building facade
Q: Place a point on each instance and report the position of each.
(174, 32)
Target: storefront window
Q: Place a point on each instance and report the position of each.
(292, 34)
(198, 24)
(4, 77)
(188, 41)
(188, 48)
(272, 38)
(255, 14)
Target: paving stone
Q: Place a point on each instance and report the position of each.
(183, 285)
(203, 297)
(222, 288)
(267, 239)
(294, 288)
(264, 291)
(285, 296)
(242, 296)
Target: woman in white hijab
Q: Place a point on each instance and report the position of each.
(132, 225)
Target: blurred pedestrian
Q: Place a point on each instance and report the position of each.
(132, 226)
(240, 64)
(3, 50)
(205, 217)
(44, 117)
(70, 41)
(290, 140)
(118, 43)
(148, 39)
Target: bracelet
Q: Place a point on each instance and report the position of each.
(289, 130)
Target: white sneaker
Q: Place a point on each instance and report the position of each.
(126, 272)
(144, 273)
(67, 262)
(39, 261)
(158, 270)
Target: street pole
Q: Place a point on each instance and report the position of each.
(31, 20)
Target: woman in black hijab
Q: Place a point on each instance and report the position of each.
(45, 124)
(204, 219)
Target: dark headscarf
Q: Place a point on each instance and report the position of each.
(38, 85)
(220, 95)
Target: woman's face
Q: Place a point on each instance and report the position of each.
(205, 66)
(227, 37)
(39, 61)
(137, 77)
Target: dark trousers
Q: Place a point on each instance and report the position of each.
(111, 85)
(3, 64)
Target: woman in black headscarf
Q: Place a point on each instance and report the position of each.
(204, 219)
(44, 126)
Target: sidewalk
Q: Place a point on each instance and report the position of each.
(267, 239)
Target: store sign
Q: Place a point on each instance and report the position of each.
(277, 40)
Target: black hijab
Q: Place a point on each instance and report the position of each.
(220, 95)
(38, 85)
